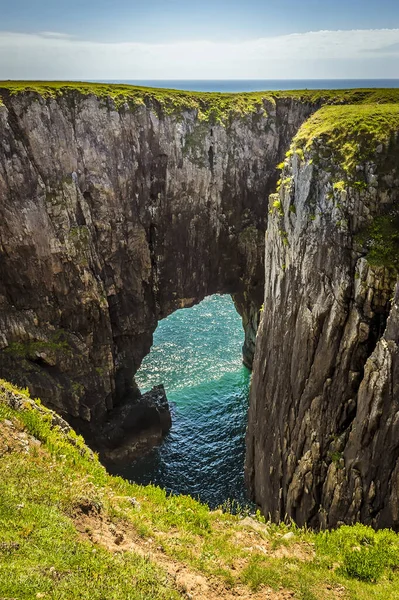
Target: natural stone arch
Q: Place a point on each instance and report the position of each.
(113, 218)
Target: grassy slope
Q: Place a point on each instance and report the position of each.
(47, 491)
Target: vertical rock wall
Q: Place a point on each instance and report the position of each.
(323, 432)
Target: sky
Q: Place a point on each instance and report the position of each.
(207, 39)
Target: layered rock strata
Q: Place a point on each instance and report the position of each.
(111, 218)
(323, 433)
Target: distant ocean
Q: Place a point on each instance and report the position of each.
(258, 85)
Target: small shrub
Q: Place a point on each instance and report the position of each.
(365, 563)
(381, 238)
(361, 552)
(339, 186)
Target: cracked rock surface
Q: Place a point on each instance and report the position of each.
(323, 430)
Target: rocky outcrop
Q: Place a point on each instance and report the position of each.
(112, 217)
(323, 432)
(135, 427)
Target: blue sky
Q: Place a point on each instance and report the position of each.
(206, 39)
(170, 20)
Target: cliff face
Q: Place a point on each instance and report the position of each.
(323, 433)
(112, 217)
(116, 212)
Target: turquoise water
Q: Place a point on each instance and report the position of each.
(197, 355)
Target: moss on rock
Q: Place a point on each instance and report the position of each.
(381, 238)
(353, 134)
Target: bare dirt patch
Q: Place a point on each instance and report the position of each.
(254, 537)
(122, 537)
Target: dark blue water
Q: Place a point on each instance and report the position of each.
(197, 355)
(260, 85)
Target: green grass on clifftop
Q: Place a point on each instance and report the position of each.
(351, 132)
(211, 106)
(68, 530)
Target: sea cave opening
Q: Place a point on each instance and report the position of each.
(197, 356)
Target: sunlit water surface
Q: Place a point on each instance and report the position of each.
(197, 355)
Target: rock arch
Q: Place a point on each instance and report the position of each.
(111, 219)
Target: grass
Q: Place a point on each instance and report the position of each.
(363, 553)
(52, 562)
(351, 133)
(210, 106)
(44, 554)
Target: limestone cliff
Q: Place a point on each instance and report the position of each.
(115, 212)
(323, 435)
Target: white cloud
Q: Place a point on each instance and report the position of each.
(357, 53)
(56, 34)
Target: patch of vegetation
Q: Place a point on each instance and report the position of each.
(336, 457)
(80, 234)
(381, 239)
(45, 550)
(339, 186)
(259, 573)
(30, 349)
(214, 108)
(250, 236)
(363, 553)
(284, 236)
(359, 185)
(286, 182)
(194, 145)
(300, 153)
(352, 133)
(276, 204)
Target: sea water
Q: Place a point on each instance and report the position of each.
(197, 355)
(260, 85)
